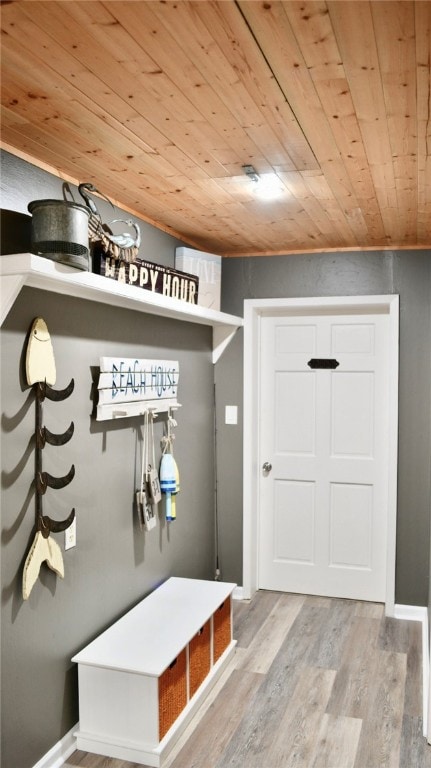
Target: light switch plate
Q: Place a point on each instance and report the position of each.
(231, 414)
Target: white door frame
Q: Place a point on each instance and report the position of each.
(254, 309)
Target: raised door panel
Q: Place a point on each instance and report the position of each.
(294, 521)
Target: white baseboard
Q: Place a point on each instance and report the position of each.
(60, 751)
(411, 612)
(238, 593)
(419, 613)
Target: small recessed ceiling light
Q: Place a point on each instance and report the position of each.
(265, 187)
(269, 187)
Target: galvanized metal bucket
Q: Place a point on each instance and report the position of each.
(60, 232)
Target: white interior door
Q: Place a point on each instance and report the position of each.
(323, 506)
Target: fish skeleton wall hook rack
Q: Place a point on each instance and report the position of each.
(41, 373)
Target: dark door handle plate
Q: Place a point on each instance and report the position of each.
(325, 362)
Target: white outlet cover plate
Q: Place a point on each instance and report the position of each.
(70, 536)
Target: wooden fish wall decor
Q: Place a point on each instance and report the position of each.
(41, 373)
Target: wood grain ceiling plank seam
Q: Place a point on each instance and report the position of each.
(50, 145)
(57, 65)
(217, 191)
(51, 81)
(394, 23)
(259, 79)
(262, 229)
(166, 53)
(297, 216)
(296, 222)
(355, 35)
(321, 190)
(276, 109)
(290, 214)
(98, 60)
(198, 92)
(58, 69)
(423, 85)
(217, 70)
(47, 158)
(8, 117)
(312, 27)
(276, 38)
(309, 226)
(31, 134)
(214, 232)
(227, 23)
(78, 47)
(297, 186)
(8, 143)
(66, 113)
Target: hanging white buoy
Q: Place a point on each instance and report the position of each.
(168, 482)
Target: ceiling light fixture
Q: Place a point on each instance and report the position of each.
(267, 187)
(251, 173)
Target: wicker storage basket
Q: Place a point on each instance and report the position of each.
(199, 657)
(172, 693)
(222, 628)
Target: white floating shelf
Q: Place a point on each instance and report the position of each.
(21, 269)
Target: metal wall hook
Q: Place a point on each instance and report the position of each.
(56, 526)
(45, 480)
(172, 422)
(43, 436)
(55, 394)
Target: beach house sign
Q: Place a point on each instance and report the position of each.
(129, 386)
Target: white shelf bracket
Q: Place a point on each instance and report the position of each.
(10, 288)
(222, 336)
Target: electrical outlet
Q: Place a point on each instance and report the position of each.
(70, 535)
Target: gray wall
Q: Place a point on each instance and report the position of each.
(407, 273)
(114, 563)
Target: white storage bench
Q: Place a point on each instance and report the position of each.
(141, 681)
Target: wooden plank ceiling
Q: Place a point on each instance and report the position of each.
(160, 104)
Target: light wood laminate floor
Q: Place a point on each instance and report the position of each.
(315, 683)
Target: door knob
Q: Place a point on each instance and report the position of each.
(267, 466)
